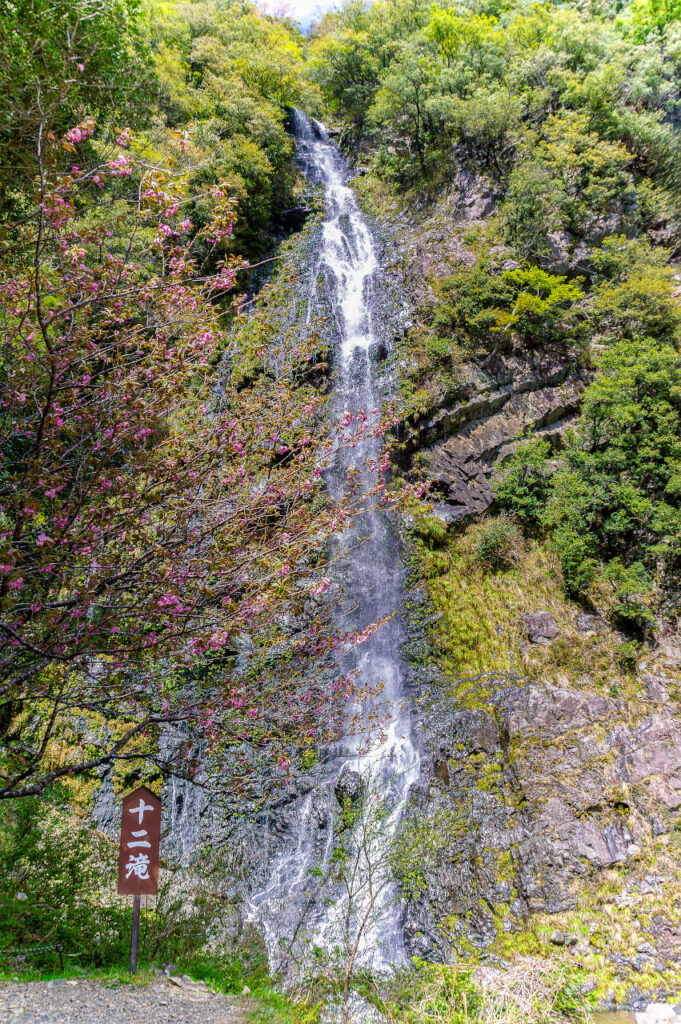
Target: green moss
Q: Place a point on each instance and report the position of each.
(478, 632)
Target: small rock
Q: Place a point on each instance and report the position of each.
(557, 938)
(175, 980)
(587, 623)
(571, 940)
(348, 787)
(541, 627)
(245, 991)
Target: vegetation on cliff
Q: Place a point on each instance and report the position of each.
(162, 510)
(568, 120)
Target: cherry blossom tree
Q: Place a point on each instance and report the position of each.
(149, 525)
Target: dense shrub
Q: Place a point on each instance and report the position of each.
(526, 483)
(482, 306)
(497, 545)
(612, 506)
(58, 884)
(57, 881)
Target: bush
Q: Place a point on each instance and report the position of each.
(57, 878)
(632, 589)
(526, 483)
(530, 990)
(497, 545)
(482, 305)
(626, 655)
(439, 348)
(58, 884)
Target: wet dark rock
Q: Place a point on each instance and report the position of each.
(378, 351)
(294, 219)
(541, 627)
(348, 787)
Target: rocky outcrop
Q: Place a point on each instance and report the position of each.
(462, 443)
(544, 808)
(542, 788)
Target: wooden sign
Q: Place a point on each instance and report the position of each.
(140, 840)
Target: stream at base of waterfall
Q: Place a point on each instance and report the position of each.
(314, 899)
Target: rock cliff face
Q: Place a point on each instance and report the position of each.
(475, 422)
(517, 393)
(543, 797)
(547, 816)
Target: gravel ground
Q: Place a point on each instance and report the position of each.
(165, 1001)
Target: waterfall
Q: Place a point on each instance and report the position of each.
(377, 757)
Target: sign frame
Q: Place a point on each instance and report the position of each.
(138, 854)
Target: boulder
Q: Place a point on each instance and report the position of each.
(540, 627)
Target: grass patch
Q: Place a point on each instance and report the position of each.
(532, 990)
(481, 582)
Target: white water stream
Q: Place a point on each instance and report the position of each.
(362, 912)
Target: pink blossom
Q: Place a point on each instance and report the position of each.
(320, 588)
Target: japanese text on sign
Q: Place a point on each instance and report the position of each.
(140, 837)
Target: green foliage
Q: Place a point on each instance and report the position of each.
(227, 77)
(439, 348)
(526, 483)
(627, 655)
(56, 879)
(531, 991)
(612, 506)
(566, 110)
(542, 306)
(484, 306)
(639, 304)
(61, 62)
(497, 545)
(406, 100)
(431, 529)
(435, 994)
(645, 17)
(344, 64)
(422, 843)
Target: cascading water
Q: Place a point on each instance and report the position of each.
(378, 756)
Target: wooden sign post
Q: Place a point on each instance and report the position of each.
(138, 854)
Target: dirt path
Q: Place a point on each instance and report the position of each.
(176, 1000)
